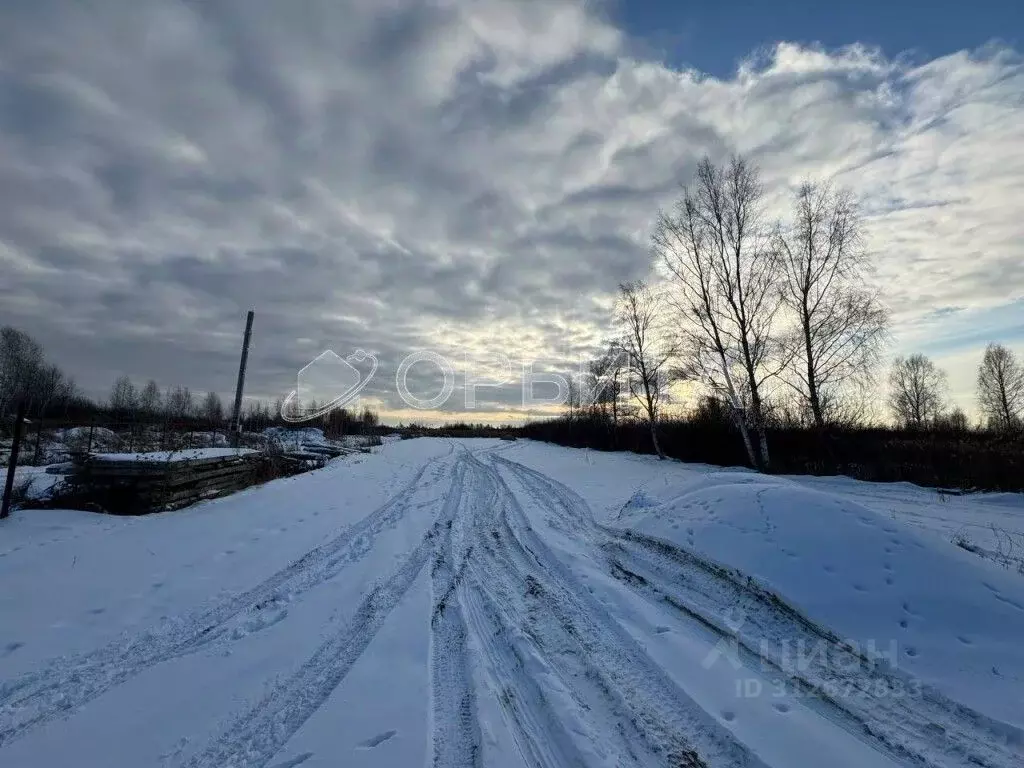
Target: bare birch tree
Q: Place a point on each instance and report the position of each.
(1001, 388)
(841, 325)
(179, 403)
(150, 399)
(606, 373)
(212, 408)
(21, 361)
(718, 253)
(575, 396)
(52, 386)
(917, 391)
(638, 315)
(124, 399)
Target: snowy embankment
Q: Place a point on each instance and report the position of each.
(35, 481)
(935, 611)
(460, 603)
(874, 562)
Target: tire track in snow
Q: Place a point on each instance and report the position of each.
(255, 737)
(596, 660)
(69, 683)
(553, 700)
(454, 728)
(928, 729)
(900, 715)
(509, 659)
(537, 727)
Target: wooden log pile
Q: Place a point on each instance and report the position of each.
(141, 485)
(320, 454)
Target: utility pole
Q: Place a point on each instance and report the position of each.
(236, 414)
(5, 508)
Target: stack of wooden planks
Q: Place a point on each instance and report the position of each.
(143, 483)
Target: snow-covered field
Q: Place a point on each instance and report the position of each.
(463, 603)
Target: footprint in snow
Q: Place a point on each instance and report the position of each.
(780, 707)
(1008, 601)
(97, 611)
(661, 630)
(295, 761)
(10, 648)
(377, 740)
(728, 715)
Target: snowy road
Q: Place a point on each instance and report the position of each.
(443, 603)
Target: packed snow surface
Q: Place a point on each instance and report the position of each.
(484, 603)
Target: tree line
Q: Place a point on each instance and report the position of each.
(772, 322)
(28, 377)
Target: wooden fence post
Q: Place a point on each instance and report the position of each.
(5, 508)
(236, 410)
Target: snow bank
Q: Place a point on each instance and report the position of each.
(41, 483)
(943, 614)
(296, 436)
(82, 433)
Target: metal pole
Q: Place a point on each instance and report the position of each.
(236, 413)
(19, 417)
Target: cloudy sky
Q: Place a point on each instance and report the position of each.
(475, 177)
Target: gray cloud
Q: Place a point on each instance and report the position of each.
(469, 178)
